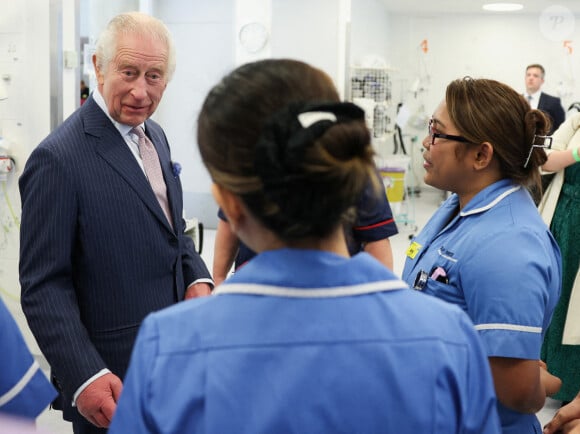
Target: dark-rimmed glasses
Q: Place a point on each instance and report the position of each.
(435, 135)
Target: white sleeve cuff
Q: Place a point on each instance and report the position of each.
(204, 280)
(86, 383)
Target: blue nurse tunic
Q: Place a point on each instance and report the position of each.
(24, 390)
(302, 341)
(497, 260)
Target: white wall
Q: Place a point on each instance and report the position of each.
(207, 49)
(369, 29)
(24, 58)
(307, 30)
(204, 37)
(498, 47)
(490, 46)
(24, 121)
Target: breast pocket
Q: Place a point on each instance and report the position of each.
(442, 281)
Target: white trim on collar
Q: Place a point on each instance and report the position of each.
(337, 291)
(511, 327)
(492, 203)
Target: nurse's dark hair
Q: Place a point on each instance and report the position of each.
(486, 110)
(298, 180)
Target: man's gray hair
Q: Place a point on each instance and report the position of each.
(133, 23)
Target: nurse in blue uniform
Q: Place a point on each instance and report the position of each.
(24, 389)
(486, 249)
(303, 338)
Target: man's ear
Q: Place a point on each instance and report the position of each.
(483, 156)
(98, 72)
(229, 203)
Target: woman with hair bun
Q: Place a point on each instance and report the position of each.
(303, 338)
(486, 249)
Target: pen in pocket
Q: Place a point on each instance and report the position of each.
(439, 274)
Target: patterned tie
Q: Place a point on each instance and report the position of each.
(153, 170)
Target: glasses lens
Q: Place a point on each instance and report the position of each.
(430, 128)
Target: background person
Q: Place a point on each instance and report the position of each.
(370, 232)
(560, 209)
(566, 420)
(98, 252)
(24, 390)
(303, 338)
(551, 105)
(85, 92)
(486, 249)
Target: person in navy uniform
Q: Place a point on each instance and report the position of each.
(370, 232)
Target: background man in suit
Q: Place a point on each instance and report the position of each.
(98, 252)
(549, 104)
(539, 100)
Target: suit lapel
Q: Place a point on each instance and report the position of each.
(541, 101)
(109, 144)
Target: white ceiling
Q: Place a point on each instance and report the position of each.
(424, 7)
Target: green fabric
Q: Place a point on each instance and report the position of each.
(564, 360)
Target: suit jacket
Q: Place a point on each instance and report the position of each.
(97, 253)
(553, 107)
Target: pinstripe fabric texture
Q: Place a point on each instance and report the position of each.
(97, 254)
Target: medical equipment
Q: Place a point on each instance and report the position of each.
(394, 171)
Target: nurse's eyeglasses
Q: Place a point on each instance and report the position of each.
(435, 135)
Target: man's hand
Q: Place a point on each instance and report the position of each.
(198, 290)
(98, 402)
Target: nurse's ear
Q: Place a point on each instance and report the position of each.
(483, 156)
(230, 204)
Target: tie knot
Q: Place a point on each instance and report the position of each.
(138, 131)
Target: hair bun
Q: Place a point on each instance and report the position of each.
(289, 132)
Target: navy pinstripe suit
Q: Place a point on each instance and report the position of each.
(97, 254)
(553, 107)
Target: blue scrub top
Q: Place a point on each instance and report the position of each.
(497, 260)
(306, 341)
(24, 390)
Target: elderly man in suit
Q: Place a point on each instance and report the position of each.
(539, 100)
(102, 234)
